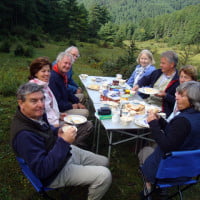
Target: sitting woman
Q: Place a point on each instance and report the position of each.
(181, 133)
(40, 71)
(145, 67)
(186, 73)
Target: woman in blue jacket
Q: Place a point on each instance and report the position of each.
(146, 66)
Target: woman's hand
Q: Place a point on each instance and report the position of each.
(81, 106)
(62, 115)
(152, 116)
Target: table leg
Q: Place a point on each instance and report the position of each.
(98, 135)
(110, 135)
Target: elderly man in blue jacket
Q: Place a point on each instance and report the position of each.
(48, 151)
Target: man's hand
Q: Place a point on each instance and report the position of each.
(81, 106)
(68, 133)
(79, 90)
(75, 106)
(62, 115)
(161, 94)
(135, 88)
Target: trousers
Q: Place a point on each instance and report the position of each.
(85, 168)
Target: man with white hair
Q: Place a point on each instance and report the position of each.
(67, 101)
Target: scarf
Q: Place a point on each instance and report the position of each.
(55, 68)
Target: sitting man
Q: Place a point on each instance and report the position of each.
(72, 85)
(165, 80)
(67, 101)
(48, 150)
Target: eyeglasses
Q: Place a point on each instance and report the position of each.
(74, 55)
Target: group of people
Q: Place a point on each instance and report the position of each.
(58, 158)
(179, 97)
(62, 158)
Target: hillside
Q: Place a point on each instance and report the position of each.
(134, 10)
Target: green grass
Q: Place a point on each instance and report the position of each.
(124, 164)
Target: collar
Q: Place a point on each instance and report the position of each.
(64, 76)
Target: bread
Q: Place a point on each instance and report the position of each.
(93, 87)
(137, 107)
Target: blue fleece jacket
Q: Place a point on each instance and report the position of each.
(64, 96)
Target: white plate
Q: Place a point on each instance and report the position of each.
(141, 122)
(75, 119)
(148, 90)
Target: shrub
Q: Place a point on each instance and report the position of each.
(9, 82)
(29, 52)
(24, 51)
(19, 50)
(5, 46)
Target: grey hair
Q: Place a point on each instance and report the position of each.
(69, 49)
(148, 53)
(171, 56)
(61, 55)
(192, 89)
(28, 88)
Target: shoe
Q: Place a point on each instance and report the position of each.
(160, 194)
(143, 197)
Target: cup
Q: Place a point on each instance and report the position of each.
(115, 82)
(66, 127)
(84, 76)
(115, 115)
(162, 114)
(118, 76)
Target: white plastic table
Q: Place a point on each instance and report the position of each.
(111, 127)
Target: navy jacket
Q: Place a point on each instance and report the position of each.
(71, 83)
(169, 100)
(181, 133)
(31, 145)
(64, 96)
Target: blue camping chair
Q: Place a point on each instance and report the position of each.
(179, 169)
(37, 184)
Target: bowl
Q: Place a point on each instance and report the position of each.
(125, 120)
(83, 76)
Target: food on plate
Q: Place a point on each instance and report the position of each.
(110, 104)
(152, 108)
(93, 87)
(134, 107)
(75, 119)
(148, 90)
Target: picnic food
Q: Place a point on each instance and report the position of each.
(148, 90)
(134, 107)
(93, 87)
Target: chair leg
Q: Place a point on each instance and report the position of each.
(44, 195)
(180, 193)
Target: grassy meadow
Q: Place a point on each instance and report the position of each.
(127, 182)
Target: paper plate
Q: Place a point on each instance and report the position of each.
(142, 122)
(148, 90)
(75, 119)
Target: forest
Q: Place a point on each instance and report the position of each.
(135, 10)
(40, 20)
(109, 35)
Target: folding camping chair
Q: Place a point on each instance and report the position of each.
(179, 169)
(37, 184)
